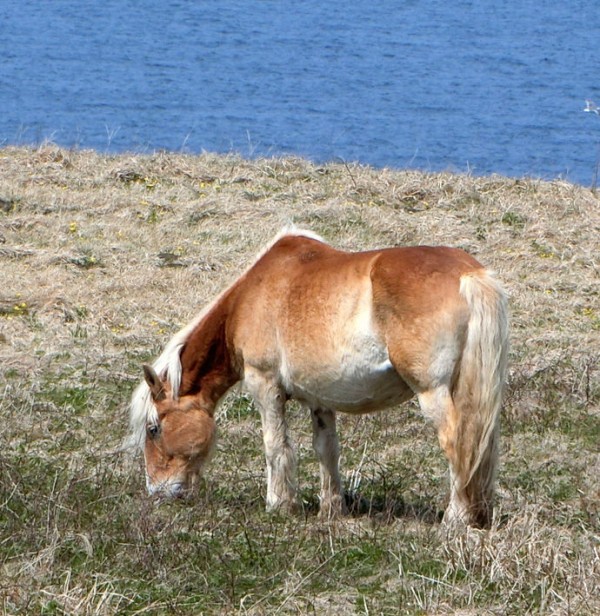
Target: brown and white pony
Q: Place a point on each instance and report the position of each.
(341, 332)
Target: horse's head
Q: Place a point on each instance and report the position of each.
(178, 441)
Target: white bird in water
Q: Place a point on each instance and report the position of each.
(591, 107)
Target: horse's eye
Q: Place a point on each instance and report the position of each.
(153, 430)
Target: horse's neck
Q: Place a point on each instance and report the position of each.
(206, 365)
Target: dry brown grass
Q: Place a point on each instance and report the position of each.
(103, 257)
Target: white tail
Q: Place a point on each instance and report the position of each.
(478, 391)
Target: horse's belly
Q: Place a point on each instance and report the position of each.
(356, 385)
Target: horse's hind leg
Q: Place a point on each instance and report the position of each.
(437, 404)
(279, 453)
(471, 479)
(326, 445)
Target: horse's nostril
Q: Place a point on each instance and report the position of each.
(179, 486)
(166, 489)
(176, 490)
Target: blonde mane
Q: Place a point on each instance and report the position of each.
(168, 364)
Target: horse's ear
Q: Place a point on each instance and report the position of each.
(156, 385)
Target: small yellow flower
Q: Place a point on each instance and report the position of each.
(73, 227)
(19, 309)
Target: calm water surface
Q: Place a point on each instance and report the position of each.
(488, 86)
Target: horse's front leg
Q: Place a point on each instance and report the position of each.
(326, 445)
(279, 453)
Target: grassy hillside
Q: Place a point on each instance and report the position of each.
(103, 258)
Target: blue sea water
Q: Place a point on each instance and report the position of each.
(484, 86)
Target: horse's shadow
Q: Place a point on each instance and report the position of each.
(383, 509)
(391, 508)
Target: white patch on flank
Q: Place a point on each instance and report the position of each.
(354, 373)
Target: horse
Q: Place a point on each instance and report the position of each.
(349, 332)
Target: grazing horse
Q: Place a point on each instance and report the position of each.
(350, 332)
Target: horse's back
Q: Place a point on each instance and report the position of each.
(304, 280)
(311, 260)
